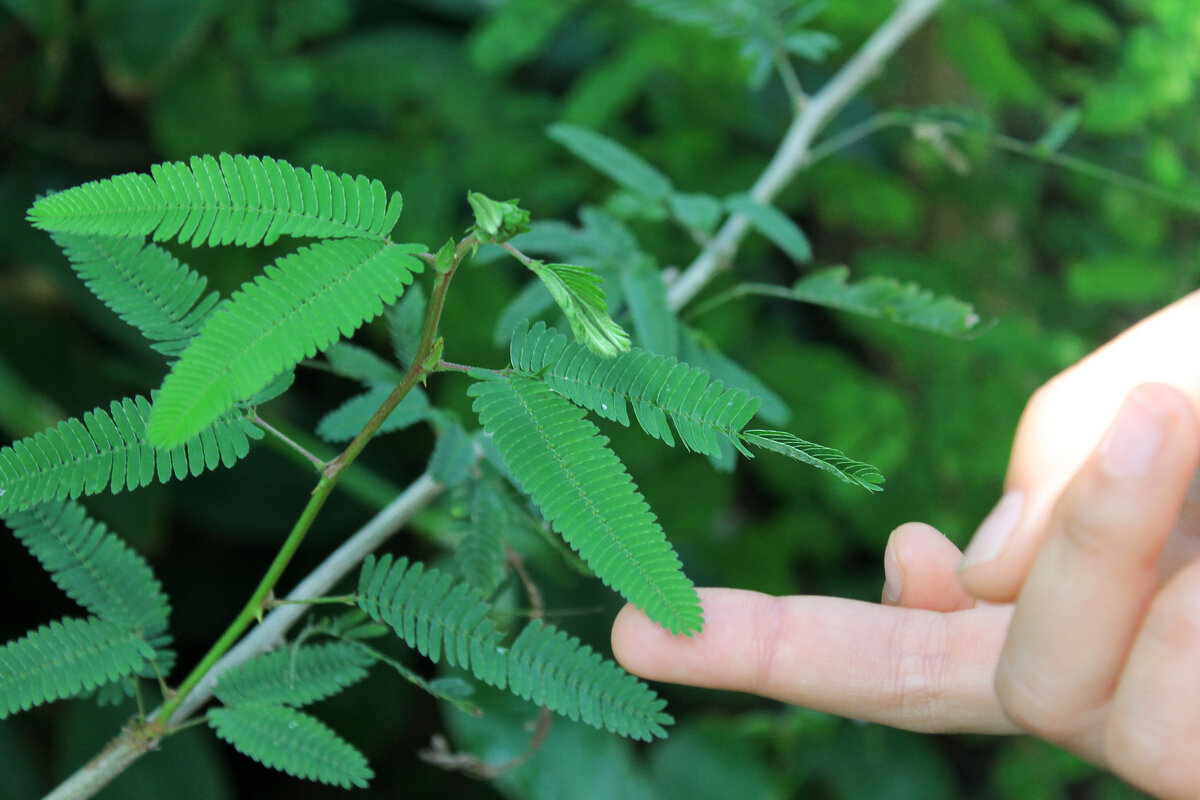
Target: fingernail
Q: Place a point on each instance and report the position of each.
(993, 534)
(893, 582)
(1135, 438)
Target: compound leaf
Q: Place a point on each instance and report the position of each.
(64, 659)
(109, 450)
(704, 411)
(819, 456)
(887, 298)
(297, 308)
(223, 200)
(294, 676)
(444, 619)
(293, 742)
(98, 571)
(144, 285)
(562, 462)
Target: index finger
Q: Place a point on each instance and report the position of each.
(909, 668)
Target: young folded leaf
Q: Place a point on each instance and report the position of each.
(560, 459)
(226, 200)
(110, 450)
(291, 741)
(64, 659)
(819, 456)
(704, 411)
(297, 308)
(442, 619)
(577, 292)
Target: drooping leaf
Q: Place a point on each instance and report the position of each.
(294, 676)
(404, 321)
(479, 556)
(444, 620)
(109, 450)
(703, 410)
(296, 309)
(291, 741)
(887, 298)
(819, 456)
(578, 292)
(224, 200)
(144, 285)
(562, 462)
(774, 224)
(613, 159)
(64, 659)
(97, 570)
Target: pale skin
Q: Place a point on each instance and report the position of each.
(1074, 615)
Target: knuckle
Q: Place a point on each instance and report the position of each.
(919, 667)
(767, 624)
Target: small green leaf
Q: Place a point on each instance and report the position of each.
(577, 292)
(495, 221)
(614, 160)
(444, 260)
(774, 224)
(700, 212)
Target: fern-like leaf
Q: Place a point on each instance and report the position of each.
(293, 742)
(144, 285)
(64, 659)
(562, 462)
(109, 450)
(344, 422)
(819, 456)
(224, 200)
(887, 298)
(704, 411)
(299, 307)
(97, 570)
(442, 619)
(294, 676)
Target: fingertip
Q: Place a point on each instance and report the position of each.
(920, 564)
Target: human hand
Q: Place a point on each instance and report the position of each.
(1100, 650)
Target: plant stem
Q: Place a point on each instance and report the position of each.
(793, 152)
(280, 436)
(134, 742)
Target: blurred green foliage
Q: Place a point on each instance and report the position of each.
(438, 97)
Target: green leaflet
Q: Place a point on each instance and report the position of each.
(144, 285)
(887, 298)
(298, 307)
(291, 741)
(613, 159)
(98, 571)
(703, 410)
(774, 224)
(109, 450)
(442, 619)
(561, 460)
(294, 676)
(819, 456)
(64, 659)
(646, 296)
(226, 200)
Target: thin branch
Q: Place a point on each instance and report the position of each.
(132, 743)
(271, 429)
(793, 152)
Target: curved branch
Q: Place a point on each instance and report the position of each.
(129, 746)
(793, 152)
